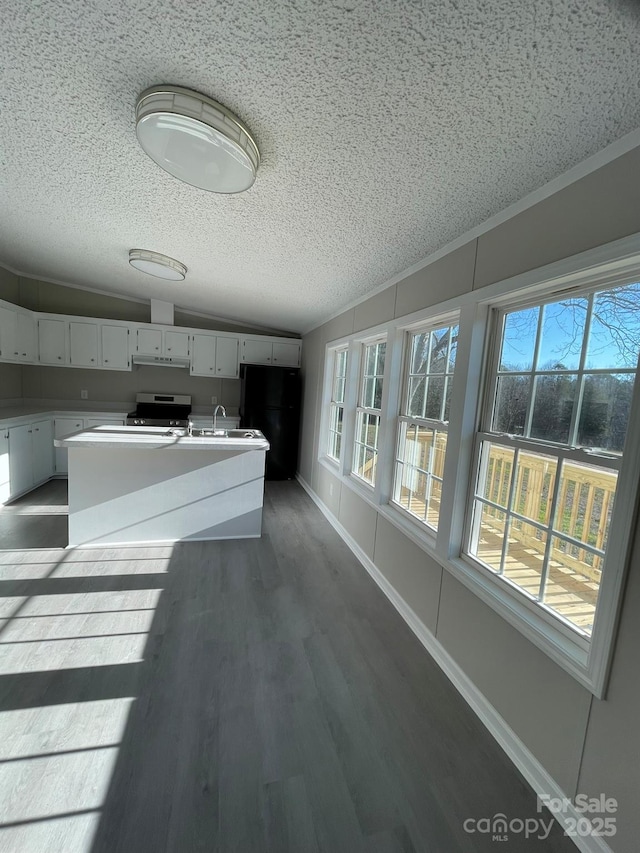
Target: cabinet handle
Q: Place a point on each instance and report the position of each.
(59, 358)
(157, 347)
(37, 429)
(29, 430)
(106, 361)
(24, 354)
(93, 359)
(275, 359)
(168, 349)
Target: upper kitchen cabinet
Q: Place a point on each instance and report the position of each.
(169, 343)
(176, 344)
(149, 341)
(17, 334)
(282, 353)
(227, 357)
(214, 355)
(115, 347)
(83, 344)
(52, 341)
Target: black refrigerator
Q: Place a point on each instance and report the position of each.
(270, 401)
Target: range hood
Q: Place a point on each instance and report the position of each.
(161, 361)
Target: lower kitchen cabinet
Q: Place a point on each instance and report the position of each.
(61, 428)
(5, 482)
(30, 456)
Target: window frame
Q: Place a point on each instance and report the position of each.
(451, 320)
(337, 404)
(367, 411)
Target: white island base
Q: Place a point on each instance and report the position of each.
(122, 494)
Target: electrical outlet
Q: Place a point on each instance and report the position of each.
(84, 395)
(214, 400)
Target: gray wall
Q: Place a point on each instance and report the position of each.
(588, 745)
(111, 386)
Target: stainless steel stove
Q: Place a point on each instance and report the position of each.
(170, 410)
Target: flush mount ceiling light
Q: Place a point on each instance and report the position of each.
(196, 139)
(156, 264)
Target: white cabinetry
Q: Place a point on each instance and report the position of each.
(42, 450)
(203, 355)
(5, 482)
(176, 344)
(227, 357)
(214, 355)
(149, 341)
(30, 456)
(61, 428)
(168, 342)
(115, 347)
(283, 353)
(52, 341)
(83, 343)
(17, 334)
(26, 336)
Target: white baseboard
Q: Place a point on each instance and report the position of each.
(535, 774)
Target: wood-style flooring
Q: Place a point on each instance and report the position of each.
(231, 697)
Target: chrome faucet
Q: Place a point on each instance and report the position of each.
(215, 416)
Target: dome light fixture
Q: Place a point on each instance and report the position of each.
(196, 139)
(156, 264)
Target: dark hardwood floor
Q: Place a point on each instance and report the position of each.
(249, 696)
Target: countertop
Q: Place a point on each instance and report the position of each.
(156, 438)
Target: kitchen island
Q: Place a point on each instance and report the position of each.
(131, 485)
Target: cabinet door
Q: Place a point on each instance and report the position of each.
(5, 488)
(8, 333)
(176, 344)
(26, 337)
(227, 357)
(149, 342)
(203, 355)
(83, 344)
(20, 461)
(115, 347)
(257, 352)
(42, 450)
(52, 339)
(286, 355)
(62, 427)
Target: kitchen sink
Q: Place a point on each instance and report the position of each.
(226, 433)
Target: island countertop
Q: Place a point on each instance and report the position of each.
(159, 438)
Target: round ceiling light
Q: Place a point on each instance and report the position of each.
(196, 139)
(156, 264)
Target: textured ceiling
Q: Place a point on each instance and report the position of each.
(386, 129)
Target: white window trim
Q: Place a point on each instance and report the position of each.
(362, 344)
(334, 352)
(439, 321)
(614, 263)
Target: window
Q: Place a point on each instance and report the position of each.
(550, 448)
(336, 405)
(423, 422)
(365, 455)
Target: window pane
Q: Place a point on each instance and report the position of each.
(380, 355)
(453, 351)
(512, 397)
(553, 407)
(489, 525)
(524, 556)
(435, 396)
(447, 399)
(573, 583)
(439, 350)
(338, 389)
(420, 353)
(533, 490)
(415, 401)
(562, 334)
(497, 466)
(421, 454)
(585, 503)
(519, 339)
(604, 413)
(614, 340)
